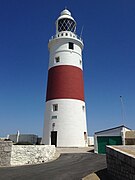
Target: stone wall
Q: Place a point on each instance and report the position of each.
(14, 155)
(129, 141)
(130, 137)
(120, 165)
(31, 154)
(5, 153)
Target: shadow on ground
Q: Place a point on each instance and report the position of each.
(103, 174)
(91, 150)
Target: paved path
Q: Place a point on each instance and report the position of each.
(75, 150)
(73, 166)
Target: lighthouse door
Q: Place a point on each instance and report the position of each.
(54, 138)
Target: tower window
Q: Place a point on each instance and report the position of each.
(83, 108)
(71, 45)
(54, 117)
(80, 62)
(57, 59)
(55, 107)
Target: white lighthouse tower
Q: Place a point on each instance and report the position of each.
(65, 114)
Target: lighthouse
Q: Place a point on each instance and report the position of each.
(65, 113)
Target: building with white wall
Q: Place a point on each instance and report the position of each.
(112, 136)
(90, 140)
(65, 113)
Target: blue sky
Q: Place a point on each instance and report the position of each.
(108, 57)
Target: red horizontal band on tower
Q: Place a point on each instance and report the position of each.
(65, 82)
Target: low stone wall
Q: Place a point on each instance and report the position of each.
(5, 153)
(14, 155)
(120, 164)
(31, 154)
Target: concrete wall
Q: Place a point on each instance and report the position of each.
(5, 153)
(29, 138)
(120, 165)
(12, 155)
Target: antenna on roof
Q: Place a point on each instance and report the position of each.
(81, 32)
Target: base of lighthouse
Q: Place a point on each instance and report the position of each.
(65, 123)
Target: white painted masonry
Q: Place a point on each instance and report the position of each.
(74, 116)
(69, 122)
(31, 154)
(59, 48)
(91, 140)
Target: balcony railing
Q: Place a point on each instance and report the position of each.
(66, 34)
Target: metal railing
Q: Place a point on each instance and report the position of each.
(66, 34)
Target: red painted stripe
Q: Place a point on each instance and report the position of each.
(65, 82)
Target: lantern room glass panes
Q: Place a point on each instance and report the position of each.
(66, 25)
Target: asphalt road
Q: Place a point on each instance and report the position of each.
(66, 167)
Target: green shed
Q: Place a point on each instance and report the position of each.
(113, 136)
